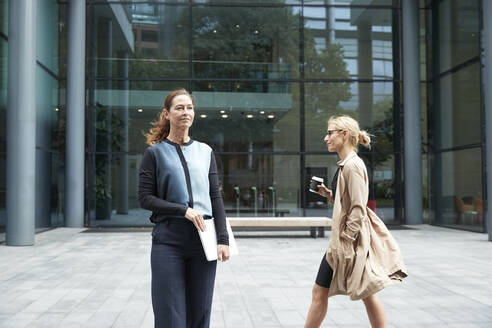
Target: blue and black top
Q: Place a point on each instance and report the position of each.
(173, 178)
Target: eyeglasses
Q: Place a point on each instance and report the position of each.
(329, 133)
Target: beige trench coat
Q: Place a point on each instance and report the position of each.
(362, 253)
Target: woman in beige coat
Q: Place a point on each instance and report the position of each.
(362, 257)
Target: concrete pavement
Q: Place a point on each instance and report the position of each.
(75, 279)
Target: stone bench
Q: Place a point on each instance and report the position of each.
(316, 224)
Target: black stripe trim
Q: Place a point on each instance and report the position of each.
(456, 148)
(49, 71)
(238, 4)
(185, 168)
(256, 153)
(458, 67)
(213, 79)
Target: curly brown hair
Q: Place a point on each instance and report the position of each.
(160, 127)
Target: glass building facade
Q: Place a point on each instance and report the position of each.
(49, 99)
(266, 76)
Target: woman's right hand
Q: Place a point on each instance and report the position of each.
(325, 192)
(195, 217)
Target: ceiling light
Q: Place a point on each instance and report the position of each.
(140, 110)
(57, 109)
(237, 25)
(256, 31)
(222, 111)
(262, 112)
(249, 116)
(203, 116)
(271, 116)
(215, 31)
(225, 116)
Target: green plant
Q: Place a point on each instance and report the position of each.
(108, 130)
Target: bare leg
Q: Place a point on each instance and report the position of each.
(319, 305)
(375, 311)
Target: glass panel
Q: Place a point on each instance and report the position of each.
(369, 103)
(348, 2)
(459, 121)
(154, 37)
(246, 2)
(47, 34)
(4, 17)
(3, 188)
(126, 111)
(322, 166)
(245, 42)
(348, 43)
(380, 169)
(459, 32)
(247, 116)
(458, 188)
(114, 198)
(3, 93)
(252, 185)
(48, 202)
(423, 14)
(260, 185)
(4, 14)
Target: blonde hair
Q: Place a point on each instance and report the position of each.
(356, 135)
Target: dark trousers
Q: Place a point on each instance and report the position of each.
(182, 278)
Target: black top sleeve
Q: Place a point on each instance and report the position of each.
(147, 189)
(218, 211)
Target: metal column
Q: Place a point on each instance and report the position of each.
(411, 110)
(487, 61)
(75, 152)
(21, 123)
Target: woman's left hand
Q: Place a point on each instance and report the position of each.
(223, 252)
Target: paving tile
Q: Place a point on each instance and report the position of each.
(73, 279)
(76, 319)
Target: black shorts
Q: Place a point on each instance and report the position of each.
(325, 273)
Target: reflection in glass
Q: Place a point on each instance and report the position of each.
(4, 14)
(323, 166)
(459, 119)
(47, 114)
(4, 17)
(47, 48)
(116, 203)
(458, 189)
(345, 2)
(369, 103)
(459, 32)
(380, 170)
(245, 42)
(235, 66)
(260, 185)
(247, 116)
(252, 185)
(154, 37)
(289, 2)
(348, 43)
(3, 94)
(3, 185)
